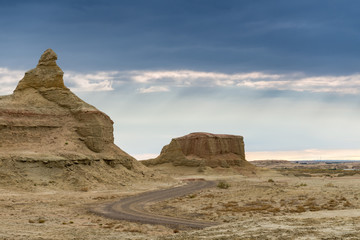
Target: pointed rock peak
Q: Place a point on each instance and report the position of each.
(48, 58)
(47, 74)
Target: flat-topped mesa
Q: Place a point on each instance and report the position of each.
(207, 144)
(47, 74)
(43, 119)
(203, 149)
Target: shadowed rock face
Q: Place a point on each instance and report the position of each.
(43, 119)
(203, 149)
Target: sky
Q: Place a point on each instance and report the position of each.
(283, 74)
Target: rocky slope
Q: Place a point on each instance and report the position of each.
(203, 149)
(43, 121)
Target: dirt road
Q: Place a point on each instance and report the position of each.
(132, 208)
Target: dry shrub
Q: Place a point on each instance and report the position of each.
(298, 209)
(230, 204)
(314, 208)
(192, 196)
(223, 185)
(208, 207)
(302, 197)
(109, 225)
(343, 199)
(302, 175)
(274, 210)
(301, 185)
(254, 207)
(84, 189)
(311, 205)
(133, 230)
(333, 203)
(210, 195)
(330, 205)
(329, 185)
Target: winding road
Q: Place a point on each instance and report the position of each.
(132, 208)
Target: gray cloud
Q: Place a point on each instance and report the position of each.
(164, 81)
(347, 84)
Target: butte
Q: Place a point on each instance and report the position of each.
(202, 149)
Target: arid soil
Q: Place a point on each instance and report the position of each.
(262, 205)
(45, 214)
(274, 207)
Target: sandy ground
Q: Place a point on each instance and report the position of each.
(65, 215)
(282, 208)
(265, 205)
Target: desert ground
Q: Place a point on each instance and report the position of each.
(263, 204)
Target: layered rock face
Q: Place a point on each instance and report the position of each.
(203, 149)
(44, 120)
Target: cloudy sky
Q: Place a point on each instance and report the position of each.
(283, 74)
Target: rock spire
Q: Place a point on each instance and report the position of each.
(47, 74)
(43, 119)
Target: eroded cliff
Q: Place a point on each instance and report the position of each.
(43, 120)
(203, 149)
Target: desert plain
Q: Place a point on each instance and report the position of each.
(287, 203)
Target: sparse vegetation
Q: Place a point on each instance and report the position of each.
(84, 189)
(246, 203)
(223, 185)
(41, 220)
(329, 185)
(313, 172)
(192, 196)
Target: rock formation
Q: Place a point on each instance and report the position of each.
(203, 149)
(44, 121)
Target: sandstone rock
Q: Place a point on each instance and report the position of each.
(47, 74)
(203, 149)
(44, 120)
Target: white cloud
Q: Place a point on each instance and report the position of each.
(348, 84)
(164, 81)
(98, 81)
(193, 78)
(153, 89)
(9, 79)
(332, 84)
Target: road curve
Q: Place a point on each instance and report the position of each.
(132, 208)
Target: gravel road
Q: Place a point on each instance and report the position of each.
(132, 208)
